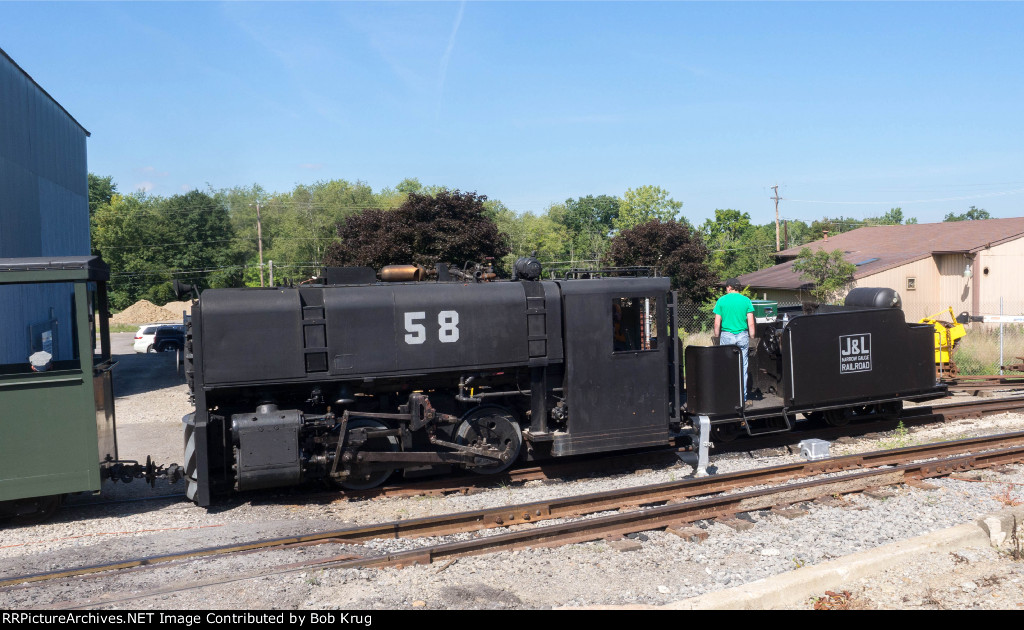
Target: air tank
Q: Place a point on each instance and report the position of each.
(873, 297)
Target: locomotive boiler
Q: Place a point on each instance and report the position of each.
(350, 382)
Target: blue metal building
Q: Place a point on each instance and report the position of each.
(44, 210)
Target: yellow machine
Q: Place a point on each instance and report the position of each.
(946, 337)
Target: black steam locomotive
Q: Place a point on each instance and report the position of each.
(351, 379)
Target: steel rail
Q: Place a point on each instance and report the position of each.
(912, 416)
(674, 513)
(616, 525)
(565, 507)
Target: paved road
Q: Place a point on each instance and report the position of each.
(150, 397)
(136, 373)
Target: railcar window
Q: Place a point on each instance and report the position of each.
(634, 325)
(37, 318)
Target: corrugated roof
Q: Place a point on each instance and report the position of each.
(892, 246)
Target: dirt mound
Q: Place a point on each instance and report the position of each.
(178, 307)
(144, 312)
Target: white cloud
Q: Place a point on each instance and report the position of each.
(446, 58)
(151, 170)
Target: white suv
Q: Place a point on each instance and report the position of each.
(144, 337)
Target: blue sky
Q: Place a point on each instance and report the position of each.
(851, 108)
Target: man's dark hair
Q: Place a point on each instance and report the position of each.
(734, 283)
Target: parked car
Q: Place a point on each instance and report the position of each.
(171, 337)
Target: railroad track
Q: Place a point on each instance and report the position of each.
(636, 509)
(982, 382)
(469, 483)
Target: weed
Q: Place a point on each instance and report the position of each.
(507, 488)
(799, 562)
(978, 352)
(900, 438)
(1016, 550)
(833, 601)
(1006, 498)
(932, 599)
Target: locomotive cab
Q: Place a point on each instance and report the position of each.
(617, 371)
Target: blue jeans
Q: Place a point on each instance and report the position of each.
(742, 341)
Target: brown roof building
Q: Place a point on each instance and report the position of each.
(968, 265)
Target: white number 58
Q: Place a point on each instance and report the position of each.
(447, 322)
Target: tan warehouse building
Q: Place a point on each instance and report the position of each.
(968, 265)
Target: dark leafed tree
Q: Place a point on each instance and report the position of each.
(196, 236)
(972, 214)
(675, 249)
(101, 191)
(449, 226)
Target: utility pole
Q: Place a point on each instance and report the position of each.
(259, 238)
(776, 198)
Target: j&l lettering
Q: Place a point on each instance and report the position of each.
(854, 345)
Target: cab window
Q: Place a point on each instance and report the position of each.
(633, 324)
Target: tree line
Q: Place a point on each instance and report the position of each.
(214, 237)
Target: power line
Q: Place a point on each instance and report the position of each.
(903, 203)
(181, 272)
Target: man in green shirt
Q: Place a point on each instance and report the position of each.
(734, 323)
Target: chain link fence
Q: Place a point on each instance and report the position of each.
(988, 345)
(984, 349)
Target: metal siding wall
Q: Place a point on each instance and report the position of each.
(44, 190)
(20, 236)
(1005, 263)
(44, 200)
(918, 303)
(60, 232)
(954, 288)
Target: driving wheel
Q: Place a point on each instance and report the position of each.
(491, 428)
(366, 477)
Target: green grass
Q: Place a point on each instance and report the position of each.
(978, 352)
(118, 328)
(700, 338)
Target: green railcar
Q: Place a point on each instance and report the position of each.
(57, 430)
